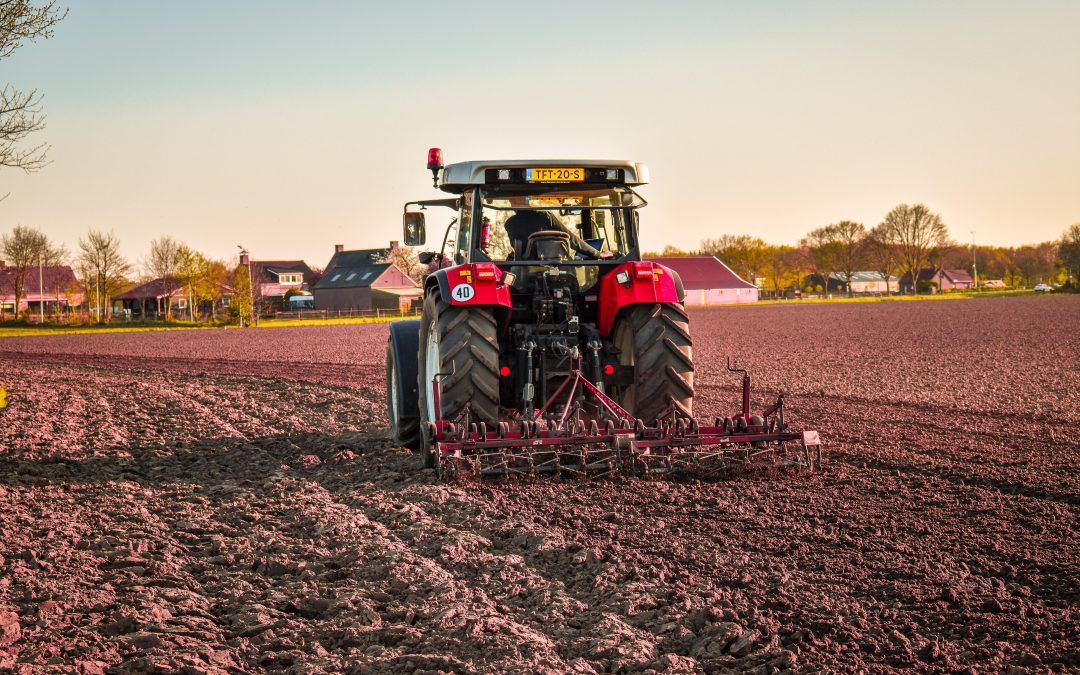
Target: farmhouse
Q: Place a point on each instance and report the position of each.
(159, 297)
(273, 279)
(708, 281)
(946, 280)
(55, 286)
(360, 280)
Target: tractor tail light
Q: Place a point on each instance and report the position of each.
(609, 369)
(504, 371)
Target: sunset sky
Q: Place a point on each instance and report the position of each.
(288, 127)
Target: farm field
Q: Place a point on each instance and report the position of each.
(230, 501)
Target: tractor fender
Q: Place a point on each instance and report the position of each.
(471, 284)
(405, 345)
(645, 283)
(680, 290)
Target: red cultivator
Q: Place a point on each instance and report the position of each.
(580, 431)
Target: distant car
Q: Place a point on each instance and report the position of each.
(1044, 288)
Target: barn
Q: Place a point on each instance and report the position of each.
(708, 281)
(359, 280)
(55, 286)
(943, 279)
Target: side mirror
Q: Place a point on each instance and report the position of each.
(425, 257)
(415, 230)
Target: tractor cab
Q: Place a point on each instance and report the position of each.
(501, 204)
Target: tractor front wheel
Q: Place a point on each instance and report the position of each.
(461, 344)
(655, 340)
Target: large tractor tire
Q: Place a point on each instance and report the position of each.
(462, 343)
(655, 340)
(402, 405)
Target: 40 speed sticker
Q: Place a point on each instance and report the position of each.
(463, 292)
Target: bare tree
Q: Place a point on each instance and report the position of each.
(779, 266)
(20, 112)
(917, 232)
(850, 238)
(214, 285)
(405, 259)
(673, 252)
(824, 253)
(882, 253)
(1035, 263)
(801, 263)
(747, 255)
(243, 294)
(191, 271)
(104, 269)
(1069, 253)
(23, 249)
(162, 264)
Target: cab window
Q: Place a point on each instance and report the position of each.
(597, 220)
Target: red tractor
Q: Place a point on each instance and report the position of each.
(545, 342)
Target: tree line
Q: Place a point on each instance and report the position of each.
(103, 272)
(220, 288)
(910, 238)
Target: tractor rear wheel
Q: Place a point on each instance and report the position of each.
(462, 343)
(655, 340)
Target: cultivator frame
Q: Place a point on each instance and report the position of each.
(558, 439)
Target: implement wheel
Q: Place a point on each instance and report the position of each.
(404, 423)
(461, 343)
(655, 340)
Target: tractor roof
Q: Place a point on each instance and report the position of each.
(457, 177)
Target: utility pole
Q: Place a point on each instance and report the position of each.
(41, 288)
(974, 261)
(251, 289)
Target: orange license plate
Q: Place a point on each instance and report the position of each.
(554, 175)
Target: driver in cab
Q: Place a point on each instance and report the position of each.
(525, 223)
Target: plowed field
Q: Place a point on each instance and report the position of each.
(229, 501)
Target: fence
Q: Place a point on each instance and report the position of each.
(340, 313)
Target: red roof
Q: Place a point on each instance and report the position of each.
(703, 272)
(51, 278)
(958, 276)
(931, 273)
(160, 288)
(151, 290)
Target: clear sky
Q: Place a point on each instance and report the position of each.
(291, 126)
